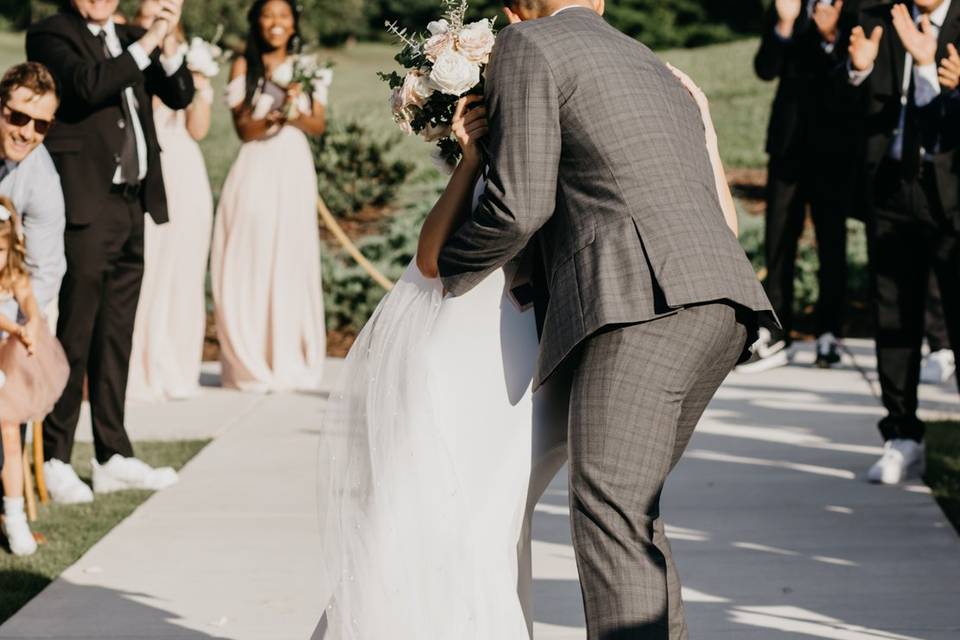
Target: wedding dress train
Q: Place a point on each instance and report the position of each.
(426, 459)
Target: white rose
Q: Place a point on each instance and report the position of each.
(438, 26)
(434, 132)
(415, 90)
(453, 74)
(282, 76)
(476, 41)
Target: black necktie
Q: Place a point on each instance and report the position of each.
(912, 143)
(129, 160)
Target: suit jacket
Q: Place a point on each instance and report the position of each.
(879, 99)
(88, 135)
(808, 118)
(597, 149)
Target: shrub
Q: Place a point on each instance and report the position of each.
(350, 295)
(354, 169)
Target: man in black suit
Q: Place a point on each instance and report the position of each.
(104, 145)
(809, 145)
(912, 182)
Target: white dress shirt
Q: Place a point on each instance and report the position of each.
(569, 6)
(34, 188)
(170, 66)
(926, 81)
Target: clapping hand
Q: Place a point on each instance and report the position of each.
(949, 71)
(827, 18)
(787, 13)
(863, 50)
(922, 42)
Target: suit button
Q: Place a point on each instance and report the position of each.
(121, 124)
(116, 158)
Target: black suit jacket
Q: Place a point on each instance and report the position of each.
(808, 117)
(879, 100)
(87, 138)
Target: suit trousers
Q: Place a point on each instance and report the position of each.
(637, 394)
(935, 323)
(791, 185)
(98, 303)
(910, 236)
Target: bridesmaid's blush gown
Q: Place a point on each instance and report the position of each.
(265, 261)
(171, 317)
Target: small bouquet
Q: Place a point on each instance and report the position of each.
(307, 71)
(203, 57)
(442, 65)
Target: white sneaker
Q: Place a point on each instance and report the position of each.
(119, 474)
(63, 484)
(828, 351)
(938, 367)
(767, 354)
(19, 536)
(901, 459)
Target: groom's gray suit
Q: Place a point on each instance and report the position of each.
(598, 155)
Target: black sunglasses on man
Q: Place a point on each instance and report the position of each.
(20, 119)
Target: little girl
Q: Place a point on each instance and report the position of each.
(35, 369)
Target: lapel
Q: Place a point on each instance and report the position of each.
(89, 41)
(950, 31)
(896, 50)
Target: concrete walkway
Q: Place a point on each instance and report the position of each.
(776, 533)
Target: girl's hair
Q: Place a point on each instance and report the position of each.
(256, 46)
(14, 269)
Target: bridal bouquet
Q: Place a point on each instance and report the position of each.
(306, 70)
(442, 65)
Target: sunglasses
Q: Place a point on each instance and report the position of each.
(20, 119)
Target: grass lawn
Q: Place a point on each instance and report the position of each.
(943, 467)
(70, 530)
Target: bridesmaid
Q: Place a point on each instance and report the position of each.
(171, 318)
(265, 262)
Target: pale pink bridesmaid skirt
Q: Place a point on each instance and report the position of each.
(265, 268)
(172, 315)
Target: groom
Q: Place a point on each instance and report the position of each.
(597, 155)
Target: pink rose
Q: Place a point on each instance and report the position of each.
(415, 90)
(476, 41)
(437, 44)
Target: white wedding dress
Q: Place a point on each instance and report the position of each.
(433, 451)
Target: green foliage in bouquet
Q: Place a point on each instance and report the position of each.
(357, 168)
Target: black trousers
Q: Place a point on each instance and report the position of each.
(910, 237)
(935, 322)
(98, 303)
(792, 184)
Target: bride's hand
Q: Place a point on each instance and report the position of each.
(470, 125)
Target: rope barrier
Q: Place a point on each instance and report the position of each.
(334, 227)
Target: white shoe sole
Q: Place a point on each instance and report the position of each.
(103, 482)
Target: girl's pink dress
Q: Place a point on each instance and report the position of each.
(33, 383)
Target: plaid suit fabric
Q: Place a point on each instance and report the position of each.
(638, 392)
(598, 154)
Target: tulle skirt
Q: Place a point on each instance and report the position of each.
(33, 383)
(425, 457)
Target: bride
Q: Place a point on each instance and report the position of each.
(435, 448)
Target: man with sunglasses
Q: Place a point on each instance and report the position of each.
(28, 102)
(104, 144)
